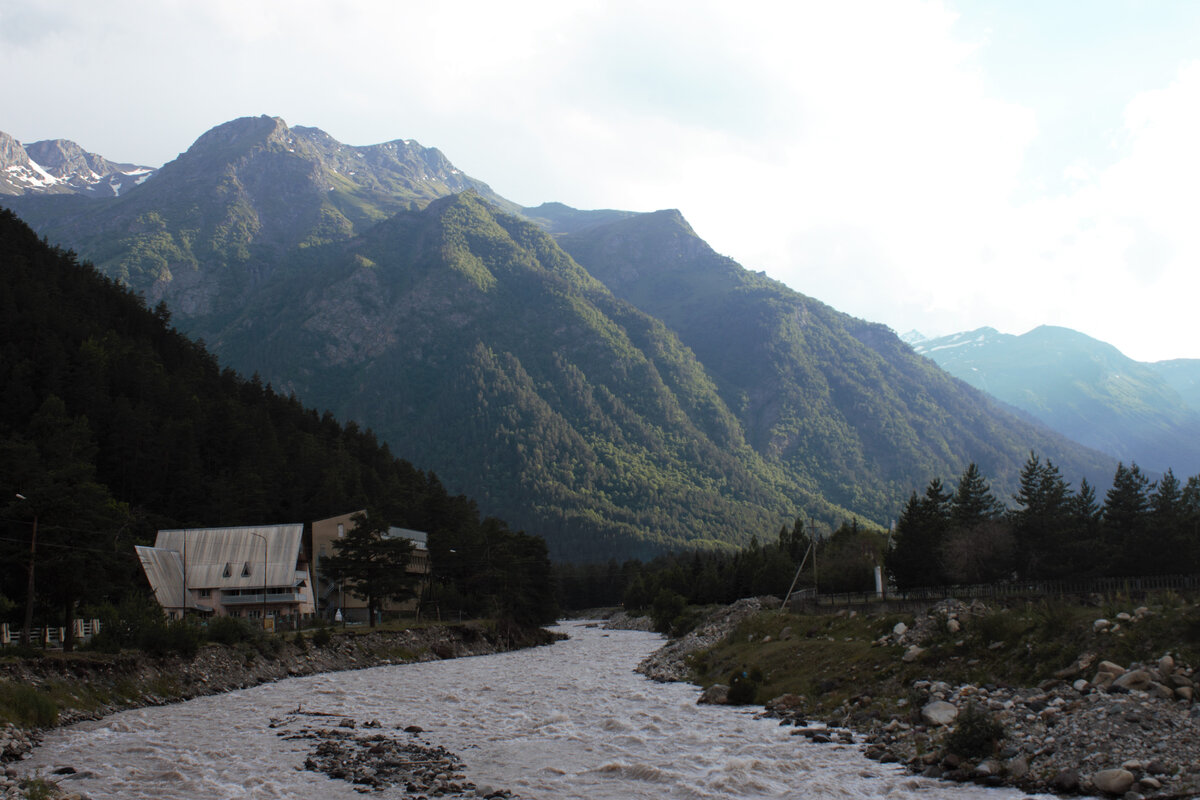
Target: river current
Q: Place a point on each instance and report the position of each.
(572, 720)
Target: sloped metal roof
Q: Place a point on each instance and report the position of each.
(418, 538)
(207, 552)
(164, 570)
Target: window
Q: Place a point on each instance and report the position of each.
(246, 570)
(206, 592)
(228, 570)
(341, 530)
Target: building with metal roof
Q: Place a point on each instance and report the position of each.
(251, 571)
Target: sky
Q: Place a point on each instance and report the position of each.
(937, 166)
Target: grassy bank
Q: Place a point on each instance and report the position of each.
(847, 666)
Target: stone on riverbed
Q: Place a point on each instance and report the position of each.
(939, 712)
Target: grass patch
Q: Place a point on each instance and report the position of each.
(835, 664)
(26, 706)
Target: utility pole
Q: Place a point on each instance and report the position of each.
(25, 631)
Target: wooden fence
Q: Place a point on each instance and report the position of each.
(50, 638)
(1134, 587)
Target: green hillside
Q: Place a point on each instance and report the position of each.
(114, 425)
(840, 403)
(1086, 389)
(471, 341)
(637, 395)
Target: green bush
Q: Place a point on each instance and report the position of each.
(300, 642)
(230, 630)
(125, 624)
(25, 706)
(743, 686)
(38, 788)
(322, 637)
(268, 646)
(171, 638)
(976, 735)
(668, 606)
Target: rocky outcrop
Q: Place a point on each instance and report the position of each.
(669, 663)
(624, 621)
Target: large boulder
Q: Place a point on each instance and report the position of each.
(1135, 679)
(715, 695)
(939, 712)
(1113, 781)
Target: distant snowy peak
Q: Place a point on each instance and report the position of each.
(966, 340)
(913, 337)
(60, 166)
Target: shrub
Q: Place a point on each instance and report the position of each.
(230, 630)
(268, 646)
(322, 637)
(668, 606)
(976, 735)
(743, 686)
(300, 642)
(125, 624)
(26, 706)
(179, 638)
(38, 788)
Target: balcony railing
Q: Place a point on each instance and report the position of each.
(252, 599)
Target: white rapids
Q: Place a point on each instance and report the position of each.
(568, 721)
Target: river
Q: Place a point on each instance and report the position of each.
(572, 720)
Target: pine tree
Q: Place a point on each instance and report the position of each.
(973, 502)
(1041, 520)
(915, 556)
(1125, 517)
(372, 564)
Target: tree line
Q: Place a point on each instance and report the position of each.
(967, 535)
(1050, 531)
(842, 561)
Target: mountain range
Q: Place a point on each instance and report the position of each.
(59, 166)
(1148, 413)
(602, 378)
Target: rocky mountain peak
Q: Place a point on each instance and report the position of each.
(61, 157)
(60, 166)
(19, 174)
(238, 137)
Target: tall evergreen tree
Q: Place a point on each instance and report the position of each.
(1167, 519)
(372, 564)
(973, 502)
(1125, 519)
(1041, 520)
(915, 556)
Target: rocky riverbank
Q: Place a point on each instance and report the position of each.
(1093, 726)
(92, 685)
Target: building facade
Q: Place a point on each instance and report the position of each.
(258, 572)
(331, 597)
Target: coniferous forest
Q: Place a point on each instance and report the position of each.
(944, 537)
(1050, 531)
(114, 425)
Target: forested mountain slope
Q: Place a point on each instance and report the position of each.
(113, 425)
(841, 403)
(657, 396)
(473, 342)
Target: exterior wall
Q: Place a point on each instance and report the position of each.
(223, 571)
(329, 595)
